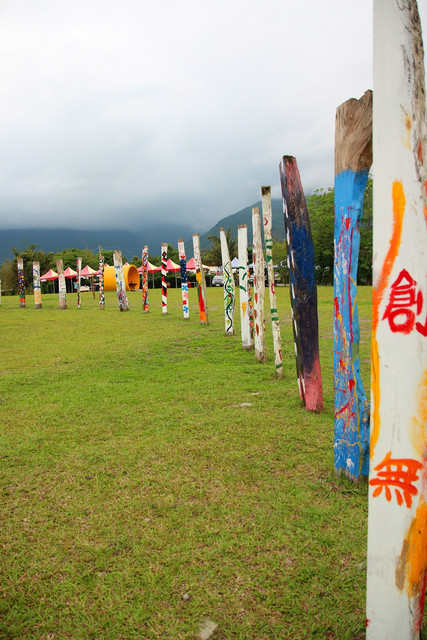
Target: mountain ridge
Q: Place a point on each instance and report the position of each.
(130, 243)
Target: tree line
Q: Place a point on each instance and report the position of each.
(320, 207)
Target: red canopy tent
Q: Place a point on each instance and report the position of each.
(191, 265)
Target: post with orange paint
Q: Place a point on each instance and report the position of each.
(201, 281)
(353, 159)
(397, 520)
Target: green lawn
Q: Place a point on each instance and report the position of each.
(130, 476)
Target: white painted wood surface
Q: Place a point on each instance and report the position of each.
(244, 288)
(397, 528)
(201, 280)
(79, 280)
(259, 288)
(267, 216)
(120, 281)
(228, 286)
(184, 282)
(62, 287)
(36, 285)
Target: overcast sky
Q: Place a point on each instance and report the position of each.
(124, 112)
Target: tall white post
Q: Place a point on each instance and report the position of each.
(36, 285)
(62, 287)
(184, 281)
(268, 237)
(201, 281)
(120, 281)
(397, 522)
(244, 288)
(79, 279)
(259, 287)
(229, 289)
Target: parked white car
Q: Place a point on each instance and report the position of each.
(218, 281)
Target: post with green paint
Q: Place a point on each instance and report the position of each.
(244, 288)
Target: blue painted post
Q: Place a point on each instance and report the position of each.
(353, 158)
(302, 285)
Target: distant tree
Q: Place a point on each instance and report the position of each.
(321, 211)
(213, 256)
(9, 270)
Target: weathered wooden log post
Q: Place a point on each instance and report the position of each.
(268, 238)
(397, 521)
(164, 252)
(78, 281)
(353, 158)
(244, 288)
(101, 280)
(36, 285)
(302, 285)
(120, 281)
(259, 287)
(201, 281)
(228, 285)
(21, 282)
(184, 281)
(62, 285)
(145, 302)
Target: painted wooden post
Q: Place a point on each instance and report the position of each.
(259, 287)
(21, 282)
(397, 521)
(201, 281)
(268, 238)
(120, 281)
(145, 303)
(353, 158)
(62, 286)
(101, 281)
(78, 281)
(184, 282)
(0, 290)
(164, 252)
(302, 285)
(36, 285)
(244, 288)
(229, 288)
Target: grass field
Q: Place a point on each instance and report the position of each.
(138, 496)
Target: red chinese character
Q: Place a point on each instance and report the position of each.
(405, 304)
(399, 473)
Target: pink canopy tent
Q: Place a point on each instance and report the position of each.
(151, 268)
(172, 266)
(88, 272)
(49, 275)
(191, 265)
(70, 273)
